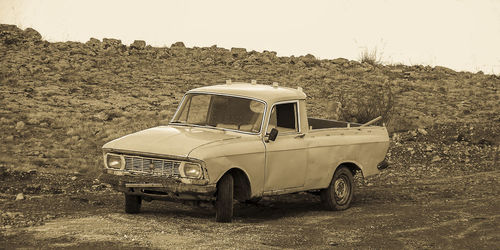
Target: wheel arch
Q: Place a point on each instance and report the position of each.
(242, 186)
(352, 166)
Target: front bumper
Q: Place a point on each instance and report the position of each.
(157, 187)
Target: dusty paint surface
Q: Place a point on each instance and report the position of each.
(298, 160)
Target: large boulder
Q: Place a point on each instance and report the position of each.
(178, 45)
(138, 44)
(9, 27)
(32, 35)
(309, 60)
(111, 43)
(10, 34)
(445, 70)
(93, 42)
(238, 52)
(178, 49)
(113, 46)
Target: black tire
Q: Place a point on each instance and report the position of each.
(338, 195)
(224, 199)
(132, 204)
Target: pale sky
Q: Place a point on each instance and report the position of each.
(459, 34)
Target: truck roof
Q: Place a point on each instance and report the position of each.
(268, 93)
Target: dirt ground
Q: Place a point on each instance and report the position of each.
(438, 212)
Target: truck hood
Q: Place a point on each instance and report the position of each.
(168, 140)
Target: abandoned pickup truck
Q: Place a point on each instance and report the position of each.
(243, 141)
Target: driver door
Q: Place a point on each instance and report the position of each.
(286, 157)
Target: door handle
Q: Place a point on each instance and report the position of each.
(300, 135)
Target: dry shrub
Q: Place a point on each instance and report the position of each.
(367, 102)
(371, 57)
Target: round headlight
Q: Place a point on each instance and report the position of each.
(192, 170)
(114, 161)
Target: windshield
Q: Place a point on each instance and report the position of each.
(226, 112)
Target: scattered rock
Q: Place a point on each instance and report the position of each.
(397, 71)
(13, 214)
(340, 61)
(20, 125)
(396, 137)
(73, 178)
(422, 131)
(96, 187)
(71, 131)
(411, 150)
(102, 116)
(20, 196)
(436, 158)
(106, 185)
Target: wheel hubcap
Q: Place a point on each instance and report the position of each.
(342, 190)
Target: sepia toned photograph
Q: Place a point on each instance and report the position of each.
(249, 124)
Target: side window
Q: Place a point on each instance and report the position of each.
(284, 118)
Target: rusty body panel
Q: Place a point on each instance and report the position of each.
(298, 160)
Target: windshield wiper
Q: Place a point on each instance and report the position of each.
(181, 123)
(212, 126)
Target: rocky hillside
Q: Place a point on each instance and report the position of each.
(60, 102)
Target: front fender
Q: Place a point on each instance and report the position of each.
(246, 153)
(252, 165)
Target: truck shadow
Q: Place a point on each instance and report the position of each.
(275, 208)
(268, 209)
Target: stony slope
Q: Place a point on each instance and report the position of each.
(61, 101)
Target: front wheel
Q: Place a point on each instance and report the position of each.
(132, 204)
(254, 200)
(224, 200)
(338, 195)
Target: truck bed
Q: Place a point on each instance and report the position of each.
(334, 142)
(317, 123)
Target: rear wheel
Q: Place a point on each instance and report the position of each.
(339, 193)
(132, 204)
(224, 200)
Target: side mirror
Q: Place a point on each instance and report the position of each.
(271, 136)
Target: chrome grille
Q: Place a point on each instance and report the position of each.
(163, 167)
